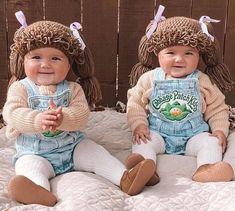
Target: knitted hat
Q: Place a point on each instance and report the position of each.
(43, 34)
(180, 31)
(185, 32)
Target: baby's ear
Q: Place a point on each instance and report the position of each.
(69, 66)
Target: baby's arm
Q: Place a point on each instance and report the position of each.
(23, 119)
(16, 112)
(215, 110)
(136, 108)
(75, 116)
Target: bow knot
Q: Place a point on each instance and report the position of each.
(157, 18)
(21, 18)
(75, 26)
(206, 19)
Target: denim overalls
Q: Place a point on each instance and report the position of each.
(56, 147)
(175, 110)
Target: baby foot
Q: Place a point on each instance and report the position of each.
(134, 180)
(134, 159)
(217, 172)
(23, 190)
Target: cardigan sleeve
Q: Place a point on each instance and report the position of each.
(22, 119)
(16, 113)
(75, 116)
(138, 98)
(213, 105)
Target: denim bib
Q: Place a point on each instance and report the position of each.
(175, 110)
(57, 147)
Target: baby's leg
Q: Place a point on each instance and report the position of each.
(229, 155)
(151, 148)
(147, 151)
(91, 157)
(31, 183)
(205, 147)
(209, 155)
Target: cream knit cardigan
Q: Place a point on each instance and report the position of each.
(22, 119)
(214, 109)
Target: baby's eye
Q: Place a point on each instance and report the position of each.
(169, 52)
(189, 53)
(35, 57)
(56, 58)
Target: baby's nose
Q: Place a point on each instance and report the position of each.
(179, 59)
(45, 63)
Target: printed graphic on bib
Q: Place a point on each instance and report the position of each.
(175, 106)
(50, 133)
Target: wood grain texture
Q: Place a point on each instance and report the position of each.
(134, 18)
(100, 20)
(112, 29)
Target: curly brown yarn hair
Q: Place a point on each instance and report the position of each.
(187, 32)
(43, 34)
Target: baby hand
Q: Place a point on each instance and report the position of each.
(54, 120)
(49, 119)
(222, 138)
(141, 133)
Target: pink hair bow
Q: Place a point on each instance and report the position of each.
(75, 26)
(157, 18)
(207, 19)
(21, 18)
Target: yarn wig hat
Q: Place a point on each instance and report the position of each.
(43, 34)
(162, 33)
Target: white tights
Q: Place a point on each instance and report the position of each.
(88, 156)
(203, 146)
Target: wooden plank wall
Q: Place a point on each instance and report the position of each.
(113, 29)
(3, 53)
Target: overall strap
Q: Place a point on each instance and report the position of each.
(62, 86)
(194, 74)
(159, 74)
(31, 88)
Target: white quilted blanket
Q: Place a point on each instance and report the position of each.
(86, 191)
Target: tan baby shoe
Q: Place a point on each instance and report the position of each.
(217, 172)
(133, 159)
(134, 179)
(23, 190)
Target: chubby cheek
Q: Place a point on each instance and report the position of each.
(161, 58)
(29, 69)
(66, 70)
(195, 64)
(165, 64)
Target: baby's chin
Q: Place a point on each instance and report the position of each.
(175, 76)
(46, 81)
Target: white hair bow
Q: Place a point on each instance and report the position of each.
(21, 18)
(157, 18)
(207, 19)
(75, 26)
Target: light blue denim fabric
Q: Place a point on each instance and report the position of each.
(175, 110)
(57, 148)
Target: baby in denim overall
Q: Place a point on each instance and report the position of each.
(176, 108)
(57, 146)
(45, 114)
